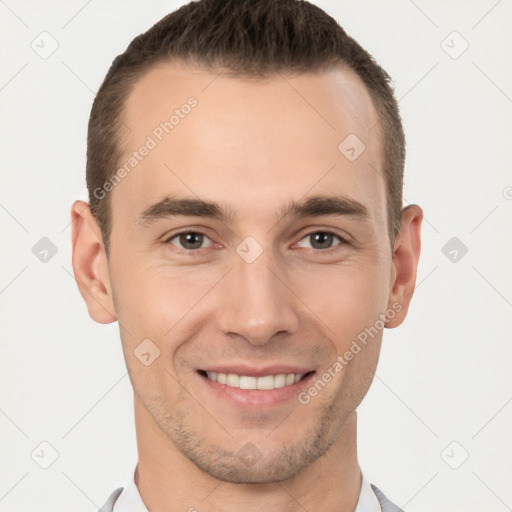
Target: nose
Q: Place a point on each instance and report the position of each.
(257, 301)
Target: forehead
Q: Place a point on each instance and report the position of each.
(220, 137)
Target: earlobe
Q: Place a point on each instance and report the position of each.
(406, 254)
(90, 265)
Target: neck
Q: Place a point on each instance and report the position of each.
(168, 481)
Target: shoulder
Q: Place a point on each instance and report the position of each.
(109, 504)
(385, 503)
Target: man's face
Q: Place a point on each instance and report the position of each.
(290, 296)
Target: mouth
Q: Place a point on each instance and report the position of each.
(255, 389)
(253, 382)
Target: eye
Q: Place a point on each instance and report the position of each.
(321, 240)
(190, 240)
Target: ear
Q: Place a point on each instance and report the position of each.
(90, 264)
(406, 254)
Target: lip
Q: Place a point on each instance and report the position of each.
(252, 371)
(256, 398)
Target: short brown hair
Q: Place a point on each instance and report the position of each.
(249, 38)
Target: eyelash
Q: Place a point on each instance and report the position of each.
(343, 241)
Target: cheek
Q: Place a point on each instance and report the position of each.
(158, 301)
(152, 309)
(361, 301)
(352, 307)
(347, 298)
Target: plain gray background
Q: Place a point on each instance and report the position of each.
(443, 388)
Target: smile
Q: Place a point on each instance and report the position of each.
(267, 382)
(265, 388)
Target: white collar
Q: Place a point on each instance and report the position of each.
(130, 501)
(368, 501)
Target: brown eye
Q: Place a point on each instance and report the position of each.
(321, 240)
(189, 240)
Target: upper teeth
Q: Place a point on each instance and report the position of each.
(246, 382)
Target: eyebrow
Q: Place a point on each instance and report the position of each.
(314, 206)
